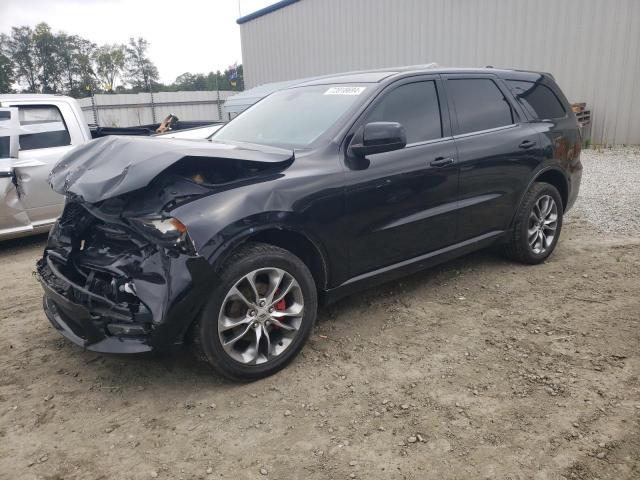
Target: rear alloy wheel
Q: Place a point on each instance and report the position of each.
(259, 315)
(537, 225)
(543, 223)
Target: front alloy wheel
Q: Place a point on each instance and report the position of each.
(261, 316)
(260, 313)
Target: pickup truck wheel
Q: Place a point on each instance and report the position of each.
(537, 225)
(259, 315)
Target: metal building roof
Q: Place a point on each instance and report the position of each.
(265, 10)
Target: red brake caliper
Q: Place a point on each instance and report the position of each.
(280, 305)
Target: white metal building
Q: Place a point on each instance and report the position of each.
(592, 47)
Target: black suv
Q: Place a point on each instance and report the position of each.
(317, 190)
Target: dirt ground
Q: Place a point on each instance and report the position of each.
(478, 369)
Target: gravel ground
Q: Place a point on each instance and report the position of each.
(610, 192)
(478, 369)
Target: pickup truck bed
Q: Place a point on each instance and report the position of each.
(144, 130)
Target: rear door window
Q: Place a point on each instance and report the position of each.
(539, 98)
(45, 125)
(479, 104)
(415, 106)
(4, 147)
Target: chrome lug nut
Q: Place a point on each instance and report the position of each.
(262, 303)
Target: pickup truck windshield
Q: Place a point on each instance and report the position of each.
(292, 118)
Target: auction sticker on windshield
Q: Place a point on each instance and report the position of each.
(345, 91)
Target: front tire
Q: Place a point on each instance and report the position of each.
(537, 225)
(259, 314)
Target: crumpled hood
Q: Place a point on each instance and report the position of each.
(112, 166)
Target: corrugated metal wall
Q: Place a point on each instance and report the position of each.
(592, 47)
(132, 109)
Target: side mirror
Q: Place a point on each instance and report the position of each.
(378, 137)
(9, 133)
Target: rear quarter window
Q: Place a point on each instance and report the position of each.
(46, 126)
(540, 99)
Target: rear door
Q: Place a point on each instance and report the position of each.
(401, 204)
(497, 152)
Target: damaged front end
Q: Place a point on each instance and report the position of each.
(109, 288)
(120, 273)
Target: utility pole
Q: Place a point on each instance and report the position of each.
(153, 107)
(94, 108)
(218, 100)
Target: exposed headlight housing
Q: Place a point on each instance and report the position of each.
(166, 231)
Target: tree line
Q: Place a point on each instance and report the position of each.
(39, 60)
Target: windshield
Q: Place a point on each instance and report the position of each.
(292, 118)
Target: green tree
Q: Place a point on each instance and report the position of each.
(78, 74)
(85, 68)
(21, 50)
(37, 55)
(191, 81)
(43, 61)
(6, 66)
(142, 74)
(6, 74)
(110, 62)
(211, 81)
(47, 50)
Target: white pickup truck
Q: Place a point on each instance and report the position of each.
(39, 130)
(35, 132)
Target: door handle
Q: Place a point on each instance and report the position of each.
(441, 162)
(527, 144)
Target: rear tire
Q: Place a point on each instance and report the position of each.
(246, 331)
(537, 225)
